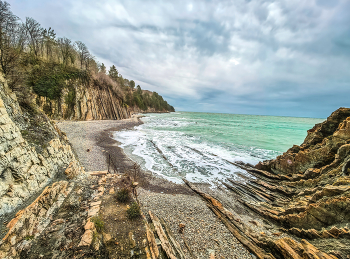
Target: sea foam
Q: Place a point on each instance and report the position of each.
(200, 147)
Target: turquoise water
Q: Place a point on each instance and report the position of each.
(199, 146)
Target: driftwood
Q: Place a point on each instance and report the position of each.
(162, 236)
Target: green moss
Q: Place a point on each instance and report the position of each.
(71, 96)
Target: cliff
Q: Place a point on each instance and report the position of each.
(97, 97)
(32, 152)
(89, 103)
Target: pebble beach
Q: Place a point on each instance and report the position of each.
(203, 236)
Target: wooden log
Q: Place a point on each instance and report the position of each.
(162, 236)
(171, 236)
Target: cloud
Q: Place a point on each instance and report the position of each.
(260, 57)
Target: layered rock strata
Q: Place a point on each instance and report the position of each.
(26, 168)
(90, 103)
(299, 203)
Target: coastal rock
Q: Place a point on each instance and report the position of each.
(318, 149)
(74, 169)
(91, 103)
(303, 193)
(31, 221)
(27, 168)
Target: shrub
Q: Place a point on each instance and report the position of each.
(48, 79)
(99, 224)
(123, 195)
(134, 211)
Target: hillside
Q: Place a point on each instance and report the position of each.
(63, 78)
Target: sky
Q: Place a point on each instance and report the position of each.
(284, 58)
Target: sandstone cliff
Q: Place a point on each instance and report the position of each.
(89, 103)
(32, 152)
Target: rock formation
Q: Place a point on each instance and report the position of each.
(90, 103)
(298, 203)
(32, 152)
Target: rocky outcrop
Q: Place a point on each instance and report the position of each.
(299, 203)
(88, 103)
(318, 149)
(30, 222)
(54, 225)
(27, 165)
(304, 193)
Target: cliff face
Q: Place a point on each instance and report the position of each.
(32, 152)
(87, 103)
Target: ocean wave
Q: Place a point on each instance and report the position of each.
(201, 147)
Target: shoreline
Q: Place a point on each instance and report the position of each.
(270, 215)
(175, 203)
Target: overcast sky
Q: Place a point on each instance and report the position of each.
(288, 57)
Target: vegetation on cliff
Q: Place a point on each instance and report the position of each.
(38, 64)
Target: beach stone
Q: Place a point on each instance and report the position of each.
(107, 237)
(86, 239)
(89, 225)
(93, 211)
(95, 203)
(181, 227)
(132, 240)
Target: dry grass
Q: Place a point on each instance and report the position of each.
(106, 81)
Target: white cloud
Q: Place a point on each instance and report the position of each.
(216, 52)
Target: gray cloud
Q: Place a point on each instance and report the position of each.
(261, 57)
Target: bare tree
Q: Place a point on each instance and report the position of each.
(66, 50)
(83, 53)
(9, 51)
(49, 41)
(35, 35)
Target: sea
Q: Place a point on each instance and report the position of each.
(201, 146)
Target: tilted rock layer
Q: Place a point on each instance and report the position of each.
(90, 103)
(297, 205)
(313, 185)
(26, 168)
